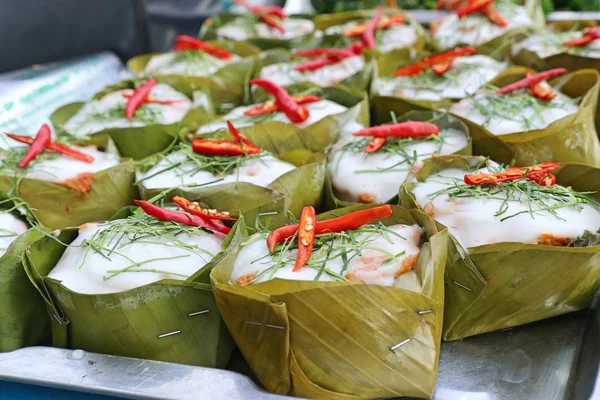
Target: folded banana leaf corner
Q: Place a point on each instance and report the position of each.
(22, 312)
(571, 62)
(333, 339)
(442, 120)
(499, 47)
(136, 323)
(572, 138)
(503, 285)
(225, 86)
(279, 137)
(134, 142)
(358, 82)
(57, 206)
(208, 31)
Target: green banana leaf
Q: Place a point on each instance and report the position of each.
(130, 323)
(208, 31)
(502, 285)
(56, 206)
(24, 320)
(549, 144)
(359, 81)
(324, 21)
(332, 339)
(226, 86)
(499, 47)
(563, 60)
(315, 137)
(134, 142)
(443, 121)
(290, 192)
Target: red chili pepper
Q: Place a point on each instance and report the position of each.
(539, 91)
(306, 237)
(344, 223)
(181, 218)
(286, 104)
(270, 106)
(138, 97)
(224, 147)
(589, 35)
(535, 173)
(527, 81)
(357, 47)
(544, 180)
(58, 147)
(441, 69)
(239, 138)
(408, 129)
(368, 35)
(314, 65)
(375, 144)
(194, 208)
(494, 16)
(436, 61)
(472, 7)
(272, 22)
(41, 140)
(150, 99)
(185, 42)
(409, 70)
(387, 23)
(261, 10)
(328, 52)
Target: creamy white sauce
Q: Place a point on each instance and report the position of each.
(473, 223)
(59, 169)
(239, 30)
(97, 115)
(522, 116)
(283, 73)
(317, 111)
(85, 273)
(10, 228)
(549, 43)
(357, 175)
(366, 268)
(196, 63)
(258, 171)
(476, 29)
(466, 76)
(395, 37)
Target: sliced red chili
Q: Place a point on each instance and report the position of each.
(137, 98)
(224, 147)
(151, 99)
(194, 208)
(306, 237)
(272, 22)
(368, 36)
(344, 223)
(386, 23)
(185, 42)
(408, 129)
(327, 52)
(375, 144)
(239, 138)
(409, 70)
(527, 81)
(286, 104)
(271, 107)
(57, 147)
(37, 147)
(262, 10)
(535, 172)
(494, 16)
(589, 35)
(314, 65)
(441, 69)
(181, 218)
(540, 91)
(548, 179)
(357, 47)
(472, 7)
(438, 61)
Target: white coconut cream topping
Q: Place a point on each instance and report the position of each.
(140, 256)
(190, 63)
(475, 221)
(245, 27)
(548, 43)
(466, 76)
(381, 256)
(477, 29)
(10, 228)
(284, 74)
(518, 111)
(58, 168)
(109, 112)
(317, 111)
(376, 177)
(183, 168)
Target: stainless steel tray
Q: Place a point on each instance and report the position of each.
(552, 359)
